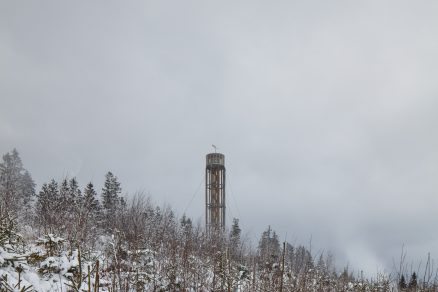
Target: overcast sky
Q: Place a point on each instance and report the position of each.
(326, 111)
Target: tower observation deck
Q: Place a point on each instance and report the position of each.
(215, 192)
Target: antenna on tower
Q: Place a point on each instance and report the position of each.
(215, 148)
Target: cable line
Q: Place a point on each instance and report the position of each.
(194, 195)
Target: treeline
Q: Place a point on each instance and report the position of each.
(122, 244)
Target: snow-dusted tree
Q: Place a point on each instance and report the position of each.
(269, 260)
(413, 282)
(111, 191)
(235, 239)
(63, 201)
(16, 185)
(89, 215)
(72, 207)
(186, 224)
(28, 195)
(135, 221)
(302, 260)
(269, 246)
(48, 207)
(90, 202)
(75, 196)
(27, 188)
(321, 266)
(68, 204)
(7, 227)
(112, 203)
(402, 283)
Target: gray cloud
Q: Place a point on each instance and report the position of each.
(326, 111)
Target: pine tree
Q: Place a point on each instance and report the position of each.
(27, 187)
(28, 194)
(413, 281)
(7, 227)
(235, 238)
(402, 283)
(48, 206)
(186, 224)
(303, 259)
(110, 192)
(269, 246)
(321, 265)
(67, 210)
(113, 204)
(63, 200)
(90, 214)
(90, 202)
(73, 199)
(75, 196)
(16, 185)
(235, 231)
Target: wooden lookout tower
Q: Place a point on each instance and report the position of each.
(215, 193)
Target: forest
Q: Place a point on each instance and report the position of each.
(67, 237)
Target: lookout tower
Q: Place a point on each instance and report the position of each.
(215, 192)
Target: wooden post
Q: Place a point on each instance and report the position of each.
(229, 270)
(96, 280)
(253, 273)
(19, 276)
(282, 266)
(80, 268)
(89, 280)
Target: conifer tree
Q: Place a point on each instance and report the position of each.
(269, 246)
(28, 191)
(63, 200)
(186, 224)
(48, 206)
(402, 283)
(235, 231)
(321, 265)
(16, 185)
(27, 187)
(73, 200)
(413, 282)
(90, 214)
(90, 202)
(74, 192)
(113, 204)
(68, 205)
(110, 192)
(235, 238)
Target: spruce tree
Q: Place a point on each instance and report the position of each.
(402, 283)
(90, 202)
(73, 199)
(16, 185)
(74, 192)
(90, 212)
(28, 188)
(269, 246)
(110, 192)
(235, 238)
(235, 231)
(413, 281)
(186, 223)
(48, 206)
(113, 204)
(64, 200)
